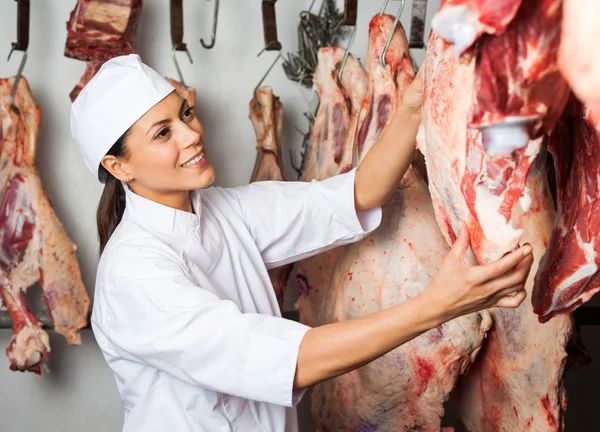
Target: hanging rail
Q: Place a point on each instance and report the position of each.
(417, 24)
(270, 26)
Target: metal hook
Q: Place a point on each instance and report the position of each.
(177, 63)
(213, 36)
(15, 85)
(343, 65)
(389, 38)
(266, 74)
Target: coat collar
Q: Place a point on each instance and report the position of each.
(162, 218)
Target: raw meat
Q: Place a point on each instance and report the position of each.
(519, 89)
(319, 164)
(266, 115)
(489, 194)
(462, 22)
(35, 246)
(578, 56)
(405, 389)
(516, 381)
(568, 275)
(99, 30)
(331, 125)
(382, 98)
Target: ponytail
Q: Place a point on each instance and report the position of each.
(112, 202)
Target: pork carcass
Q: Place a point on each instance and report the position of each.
(568, 275)
(266, 115)
(462, 22)
(405, 389)
(99, 30)
(516, 381)
(35, 246)
(578, 57)
(320, 162)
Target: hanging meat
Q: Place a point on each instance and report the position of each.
(328, 153)
(462, 22)
(568, 275)
(516, 381)
(520, 93)
(99, 30)
(35, 246)
(405, 389)
(578, 58)
(266, 115)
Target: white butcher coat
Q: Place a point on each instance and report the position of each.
(186, 316)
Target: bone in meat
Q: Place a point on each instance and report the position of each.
(35, 246)
(318, 163)
(266, 115)
(519, 90)
(568, 275)
(462, 22)
(406, 388)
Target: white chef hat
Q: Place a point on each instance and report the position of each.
(121, 92)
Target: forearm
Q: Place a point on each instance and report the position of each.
(334, 349)
(386, 162)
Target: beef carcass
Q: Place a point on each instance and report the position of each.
(266, 115)
(462, 22)
(319, 162)
(35, 246)
(578, 58)
(516, 381)
(406, 388)
(99, 30)
(568, 275)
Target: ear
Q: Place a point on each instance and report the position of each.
(117, 167)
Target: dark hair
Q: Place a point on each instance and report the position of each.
(112, 202)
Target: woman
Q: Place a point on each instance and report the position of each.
(184, 312)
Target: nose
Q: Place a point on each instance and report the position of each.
(189, 136)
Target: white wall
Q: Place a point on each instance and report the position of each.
(78, 392)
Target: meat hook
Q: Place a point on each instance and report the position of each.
(213, 36)
(345, 58)
(176, 13)
(177, 63)
(389, 38)
(21, 44)
(266, 73)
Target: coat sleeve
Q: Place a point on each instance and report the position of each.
(290, 221)
(160, 317)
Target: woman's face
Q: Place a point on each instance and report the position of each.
(165, 150)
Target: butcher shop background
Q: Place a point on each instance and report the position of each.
(77, 391)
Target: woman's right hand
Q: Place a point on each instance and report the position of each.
(459, 288)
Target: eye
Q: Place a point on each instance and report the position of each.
(162, 133)
(188, 113)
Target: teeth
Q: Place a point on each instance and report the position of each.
(194, 161)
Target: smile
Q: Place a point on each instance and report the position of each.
(196, 159)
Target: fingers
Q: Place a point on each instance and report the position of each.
(460, 246)
(506, 263)
(512, 301)
(515, 276)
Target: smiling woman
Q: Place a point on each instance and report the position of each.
(185, 313)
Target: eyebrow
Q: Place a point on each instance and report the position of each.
(166, 121)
